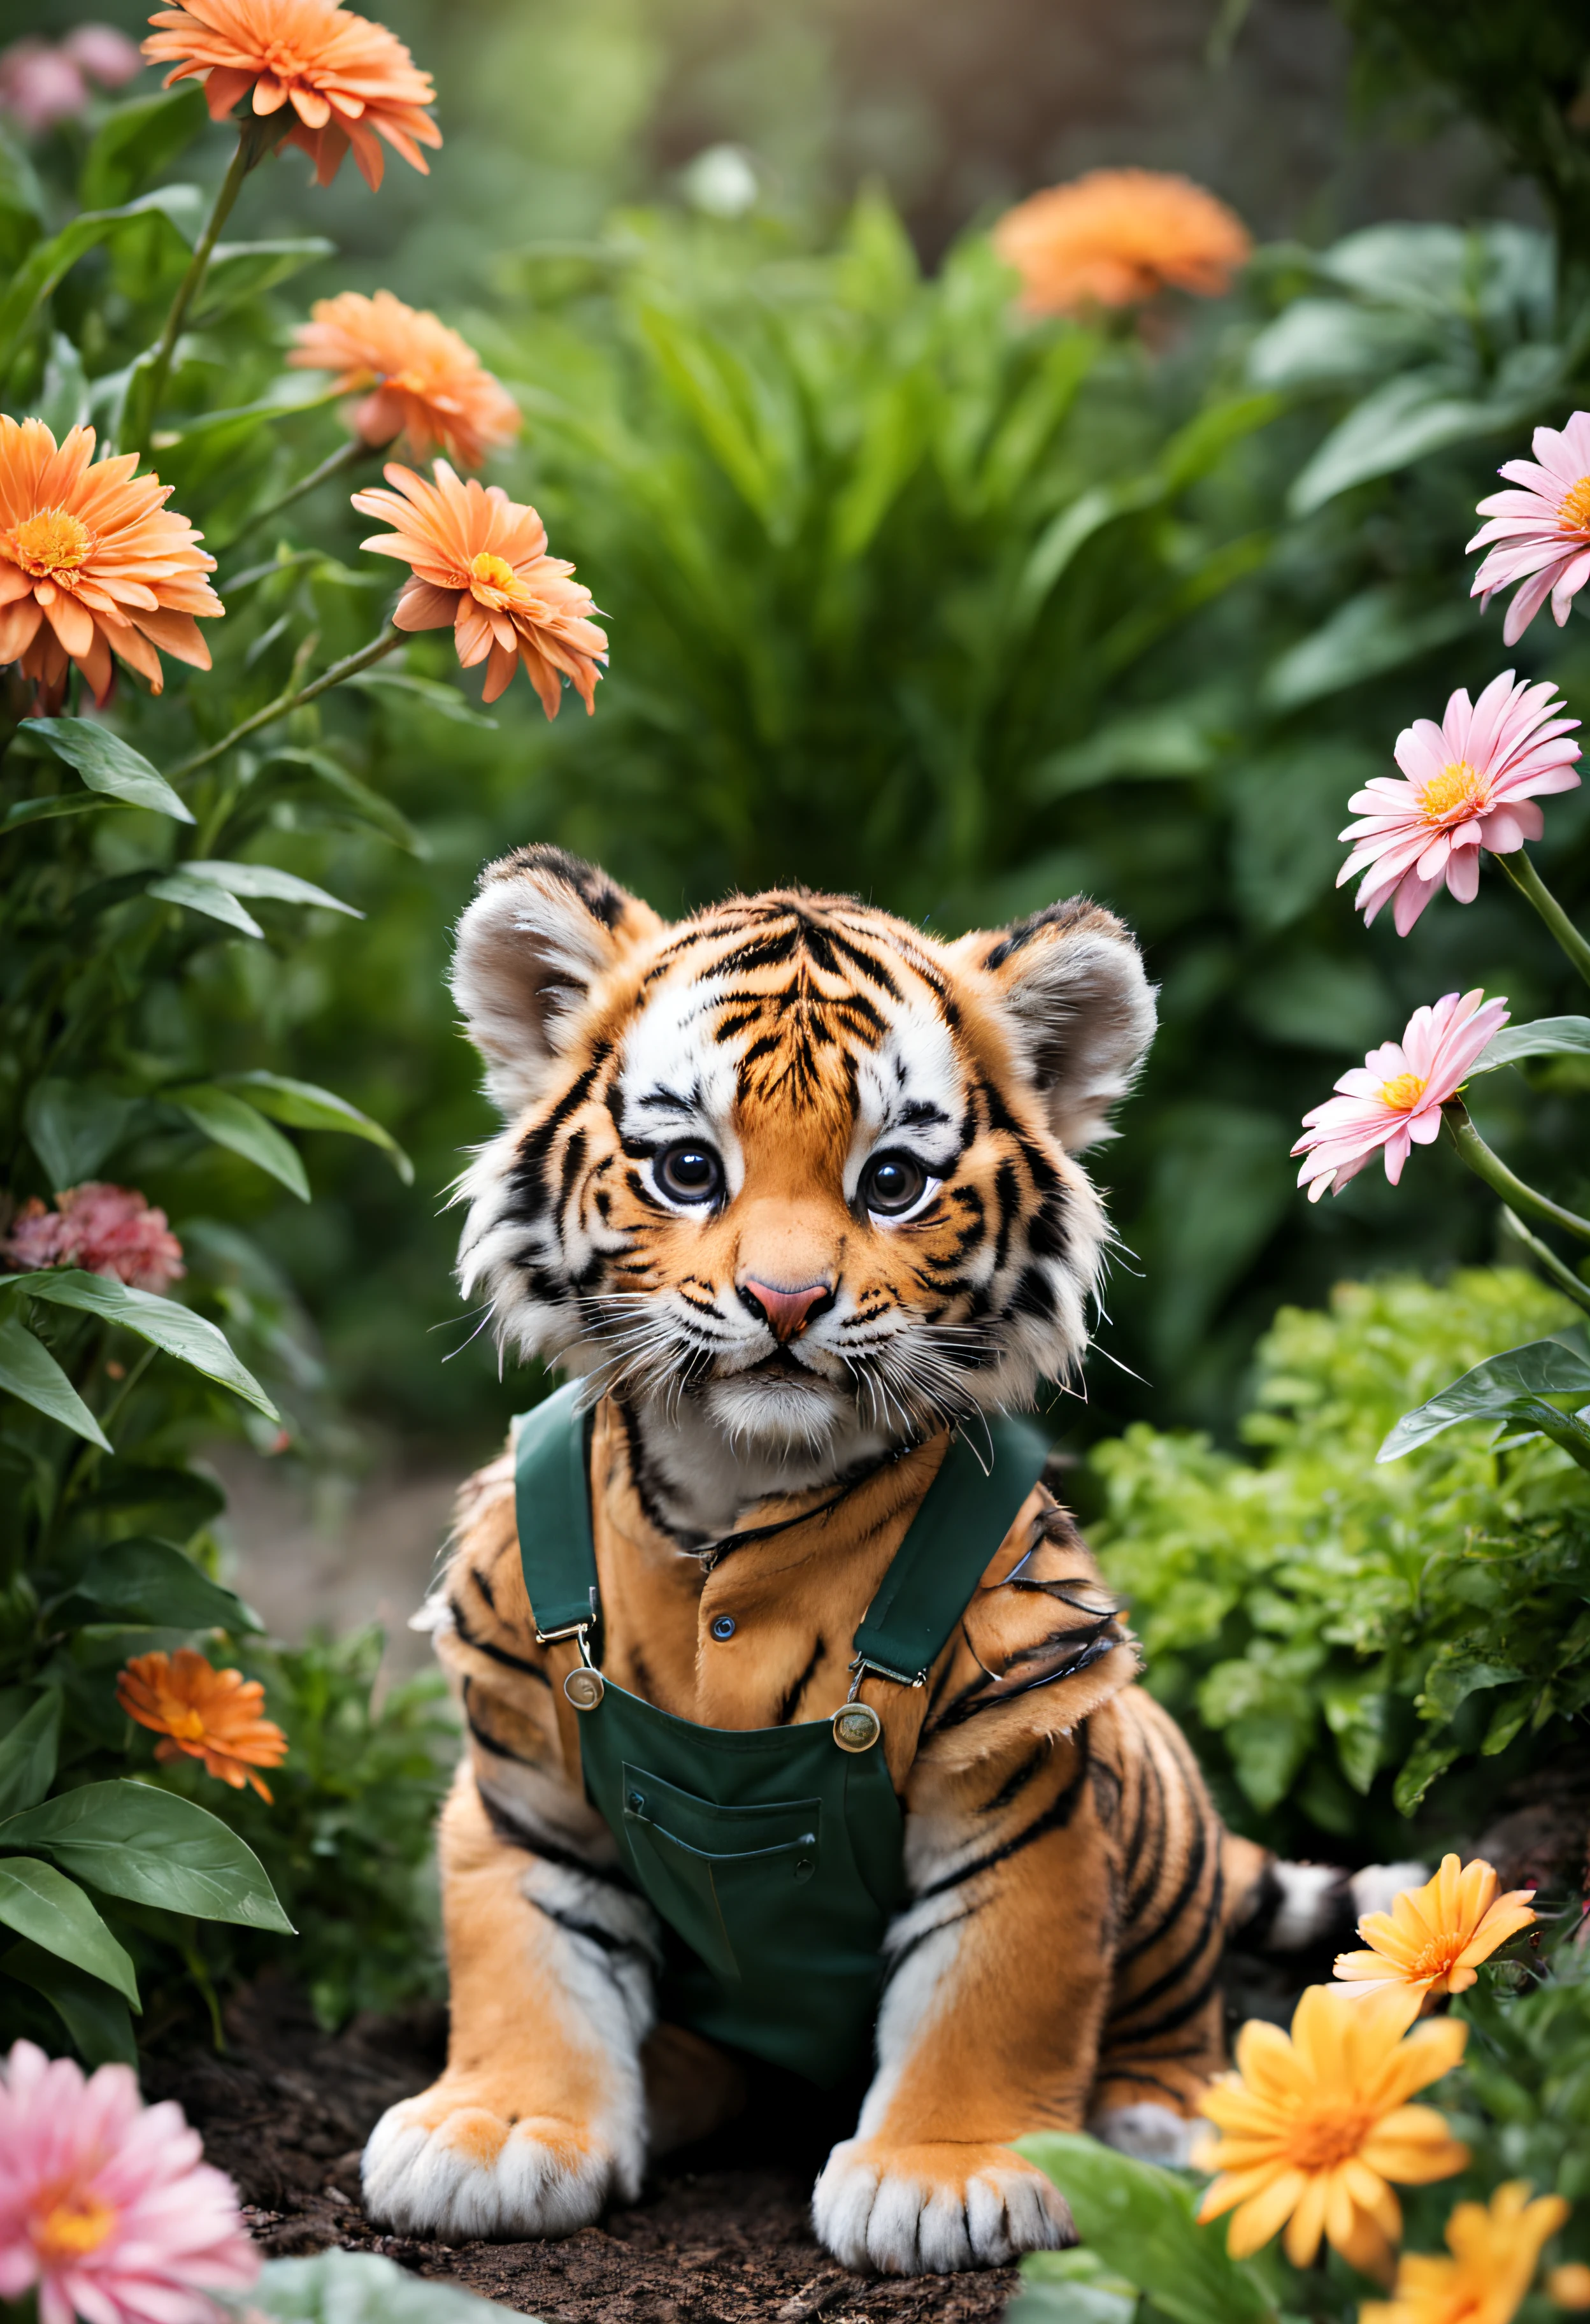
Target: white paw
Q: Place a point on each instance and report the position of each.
(931, 2209)
(1151, 2132)
(1377, 1886)
(1311, 1906)
(465, 2170)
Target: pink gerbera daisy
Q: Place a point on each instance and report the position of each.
(1540, 535)
(1471, 783)
(105, 2207)
(1394, 1099)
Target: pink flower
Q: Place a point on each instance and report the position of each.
(105, 55)
(40, 86)
(1541, 535)
(108, 1230)
(1470, 784)
(106, 2205)
(1394, 1099)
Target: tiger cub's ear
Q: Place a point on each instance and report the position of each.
(1078, 1003)
(542, 927)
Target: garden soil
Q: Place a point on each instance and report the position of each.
(719, 2236)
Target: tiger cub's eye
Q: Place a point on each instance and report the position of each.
(893, 1184)
(689, 1172)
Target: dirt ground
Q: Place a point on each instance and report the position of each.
(720, 2238)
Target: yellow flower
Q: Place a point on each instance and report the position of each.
(1494, 2256)
(1433, 1937)
(1569, 2285)
(1314, 2126)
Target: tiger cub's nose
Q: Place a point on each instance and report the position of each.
(787, 1312)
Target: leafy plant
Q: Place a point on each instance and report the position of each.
(1334, 1633)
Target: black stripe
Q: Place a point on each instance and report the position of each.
(1054, 1818)
(1187, 1889)
(495, 1654)
(509, 1827)
(1196, 2000)
(788, 1707)
(897, 1959)
(610, 1944)
(1016, 1782)
(1208, 1926)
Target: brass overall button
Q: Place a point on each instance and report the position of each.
(856, 1727)
(584, 1688)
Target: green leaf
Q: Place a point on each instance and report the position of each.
(108, 764)
(1409, 417)
(138, 144)
(344, 2287)
(1419, 1772)
(28, 1754)
(176, 1330)
(247, 270)
(1073, 2302)
(94, 2016)
(304, 1107)
(1139, 2219)
(45, 810)
(265, 881)
(1489, 1392)
(368, 807)
(134, 1839)
(149, 1581)
(1378, 630)
(231, 1121)
(47, 262)
(22, 204)
(206, 896)
(1547, 1037)
(62, 401)
(444, 700)
(72, 1127)
(29, 1371)
(43, 1905)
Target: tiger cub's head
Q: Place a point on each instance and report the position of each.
(790, 1171)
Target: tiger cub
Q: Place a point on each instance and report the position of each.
(792, 1188)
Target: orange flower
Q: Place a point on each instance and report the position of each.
(339, 80)
(1569, 2286)
(91, 562)
(429, 381)
(1434, 1937)
(1117, 236)
(1316, 2125)
(480, 562)
(1494, 2254)
(203, 1713)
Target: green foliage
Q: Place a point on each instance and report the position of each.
(1335, 1633)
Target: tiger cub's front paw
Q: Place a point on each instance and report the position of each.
(929, 2209)
(457, 2163)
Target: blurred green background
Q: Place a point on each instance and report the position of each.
(908, 598)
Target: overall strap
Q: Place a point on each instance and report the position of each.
(965, 1515)
(551, 1503)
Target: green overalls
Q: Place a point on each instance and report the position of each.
(771, 1854)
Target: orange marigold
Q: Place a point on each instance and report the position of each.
(429, 384)
(481, 564)
(203, 1713)
(337, 79)
(92, 563)
(1495, 2251)
(1115, 236)
(1434, 1937)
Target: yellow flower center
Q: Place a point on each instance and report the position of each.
(1436, 1959)
(1327, 2134)
(74, 2227)
(1402, 1093)
(187, 1726)
(50, 543)
(1573, 513)
(492, 580)
(1453, 795)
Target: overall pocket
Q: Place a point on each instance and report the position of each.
(725, 1878)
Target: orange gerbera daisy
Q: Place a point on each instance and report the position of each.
(480, 562)
(337, 79)
(1316, 2125)
(428, 383)
(1115, 236)
(1433, 1937)
(1494, 2254)
(203, 1713)
(92, 563)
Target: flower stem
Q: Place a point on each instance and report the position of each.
(291, 700)
(1500, 1178)
(1533, 889)
(1547, 1260)
(251, 146)
(348, 456)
